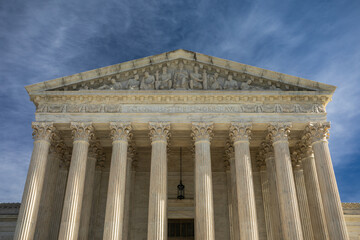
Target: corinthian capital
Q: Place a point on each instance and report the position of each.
(120, 131)
(202, 131)
(95, 149)
(240, 132)
(318, 131)
(229, 150)
(82, 131)
(159, 131)
(279, 131)
(43, 131)
(296, 158)
(266, 150)
(66, 158)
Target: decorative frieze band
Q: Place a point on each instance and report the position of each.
(201, 108)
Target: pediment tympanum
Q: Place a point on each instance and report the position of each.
(181, 75)
(180, 70)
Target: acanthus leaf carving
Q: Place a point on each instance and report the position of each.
(82, 131)
(240, 132)
(120, 131)
(43, 131)
(159, 131)
(202, 131)
(317, 131)
(279, 131)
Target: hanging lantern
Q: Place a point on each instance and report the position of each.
(181, 187)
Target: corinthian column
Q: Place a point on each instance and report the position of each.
(29, 209)
(114, 216)
(94, 152)
(266, 195)
(289, 209)
(229, 197)
(240, 135)
(302, 197)
(157, 218)
(59, 194)
(318, 133)
(129, 183)
(43, 225)
(70, 220)
(234, 203)
(204, 206)
(316, 208)
(269, 156)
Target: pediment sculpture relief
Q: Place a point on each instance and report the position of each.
(180, 76)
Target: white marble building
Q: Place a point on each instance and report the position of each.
(256, 162)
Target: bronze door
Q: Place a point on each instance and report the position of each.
(181, 229)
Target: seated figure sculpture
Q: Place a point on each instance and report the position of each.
(181, 78)
(195, 79)
(148, 82)
(214, 82)
(164, 80)
(133, 83)
(114, 85)
(231, 84)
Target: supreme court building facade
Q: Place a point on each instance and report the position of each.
(254, 143)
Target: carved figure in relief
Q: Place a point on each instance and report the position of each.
(148, 82)
(196, 81)
(231, 84)
(214, 82)
(181, 78)
(272, 87)
(246, 85)
(163, 81)
(114, 85)
(133, 83)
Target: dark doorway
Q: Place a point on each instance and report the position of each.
(181, 229)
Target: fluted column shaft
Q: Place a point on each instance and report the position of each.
(96, 197)
(114, 216)
(88, 192)
(235, 219)
(43, 225)
(59, 195)
(303, 203)
(70, 220)
(157, 218)
(274, 199)
(230, 203)
(204, 206)
(128, 192)
(26, 223)
(318, 133)
(289, 209)
(265, 189)
(317, 214)
(240, 135)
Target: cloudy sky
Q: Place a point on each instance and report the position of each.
(43, 40)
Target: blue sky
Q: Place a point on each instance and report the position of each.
(42, 40)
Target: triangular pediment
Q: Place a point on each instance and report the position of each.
(180, 70)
